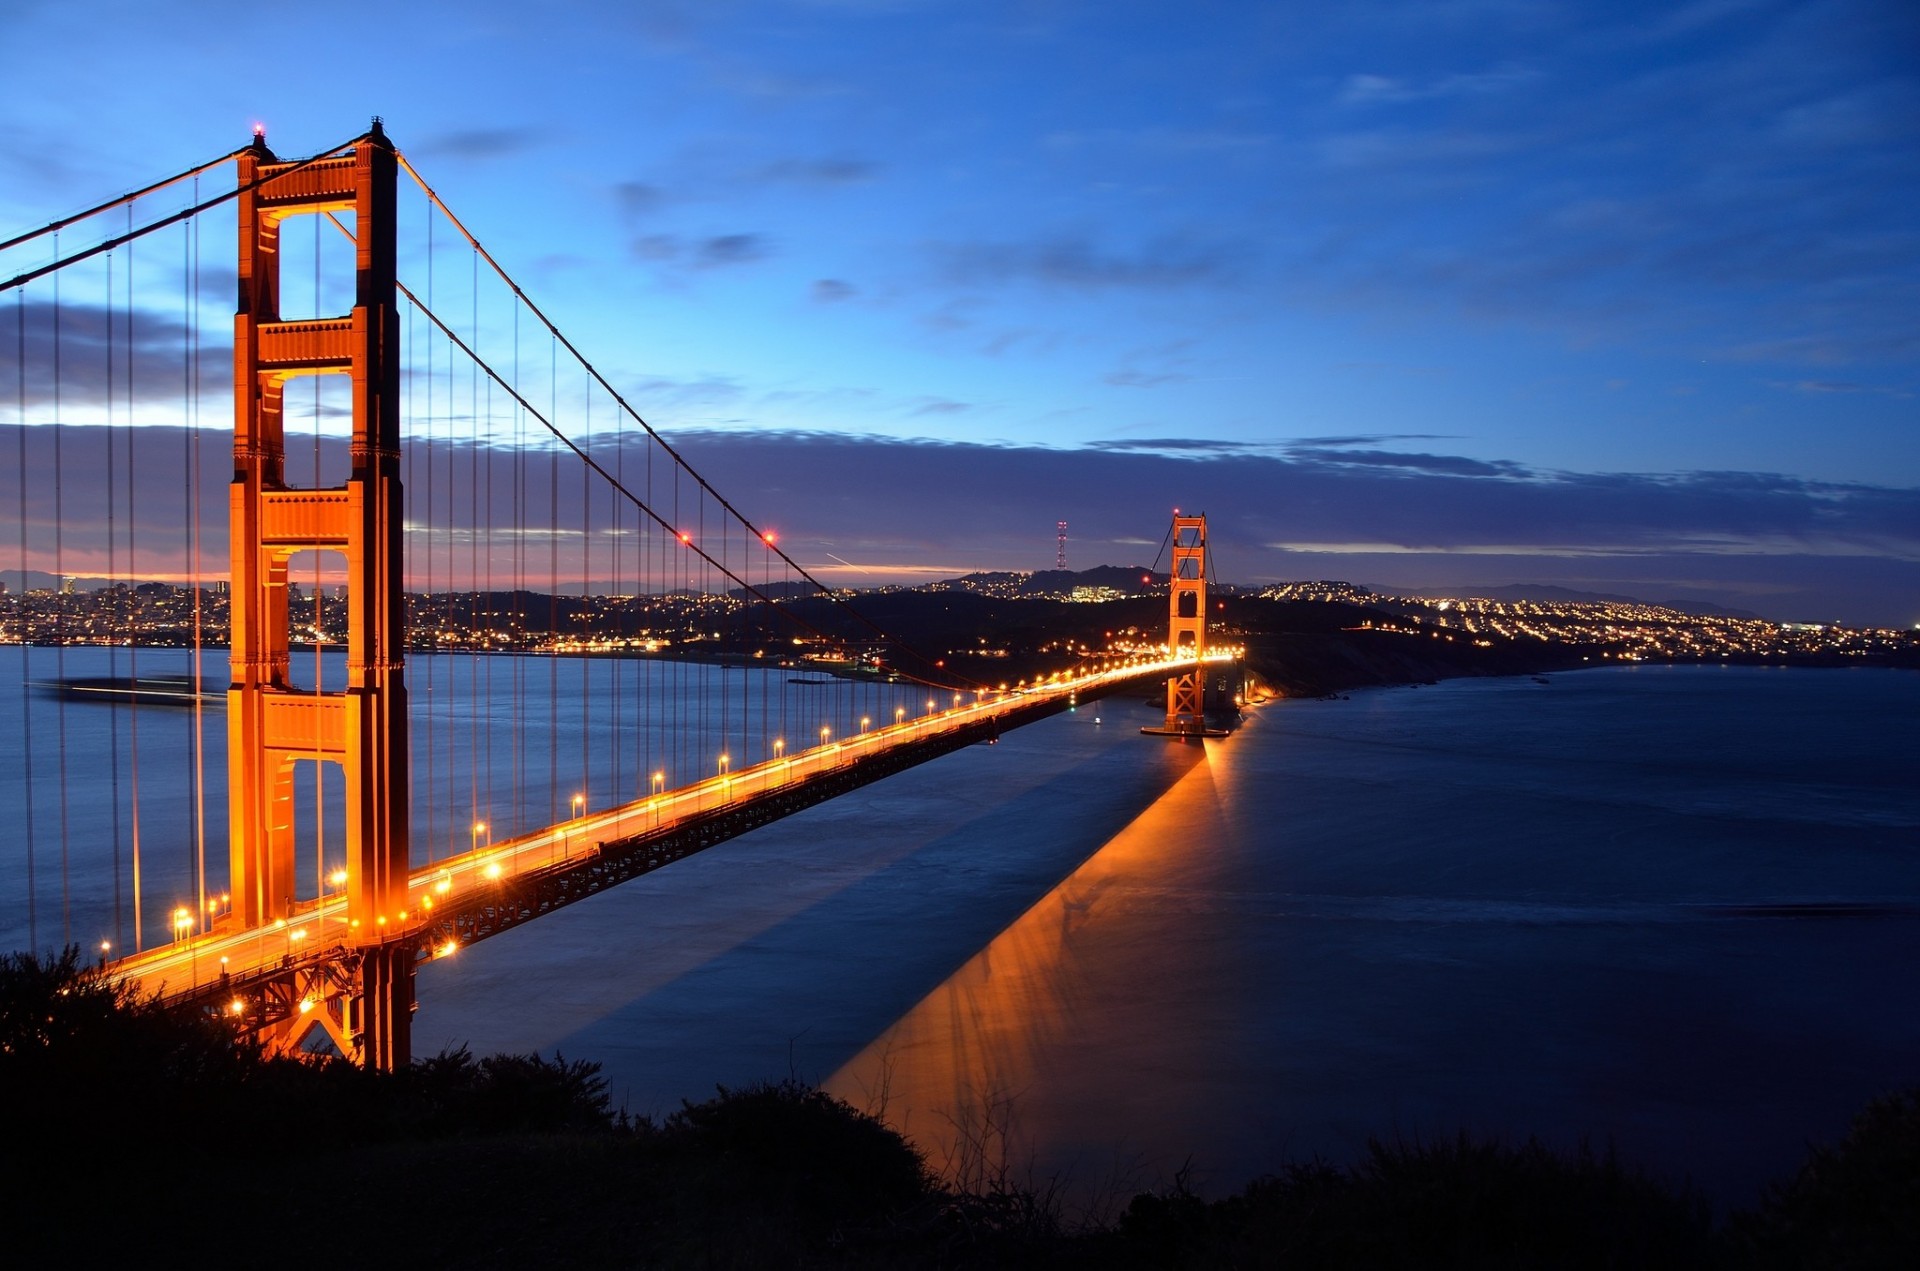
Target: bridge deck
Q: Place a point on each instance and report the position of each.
(478, 893)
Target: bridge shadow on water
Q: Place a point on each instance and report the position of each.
(791, 949)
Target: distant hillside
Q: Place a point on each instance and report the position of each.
(1131, 580)
(1547, 593)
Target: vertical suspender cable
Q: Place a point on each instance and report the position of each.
(120, 609)
(586, 575)
(427, 598)
(319, 634)
(20, 607)
(133, 651)
(553, 596)
(519, 737)
(475, 702)
(60, 612)
(197, 539)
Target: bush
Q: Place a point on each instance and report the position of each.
(1856, 1205)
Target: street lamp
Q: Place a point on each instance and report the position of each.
(104, 946)
(864, 721)
(825, 732)
(899, 714)
(579, 806)
(473, 842)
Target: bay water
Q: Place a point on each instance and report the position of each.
(1670, 910)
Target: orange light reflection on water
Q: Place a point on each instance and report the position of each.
(989, 1071)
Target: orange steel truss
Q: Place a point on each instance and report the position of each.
(270, 724)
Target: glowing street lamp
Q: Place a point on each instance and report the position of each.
(659, 787)
(105, 945)
(779, 747)
(479, 828)
(899, 713)
(825, 732)
(864, 721)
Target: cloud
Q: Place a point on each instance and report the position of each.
(828, 291)
(1206, 142)
(1143, 379)
(1076, 262)
(731, 249)
(1449, 464)
(1187, 445)
(1382, 90)
(1370, 439)
(88, 333)
(638, 198)
(1835, 550)
(820, 171)
(481, 143)
(675, 252)
(1836, 386)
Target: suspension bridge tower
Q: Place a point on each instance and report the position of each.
(363, 726)
(1187, 630)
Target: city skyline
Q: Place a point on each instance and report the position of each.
(1415, 296)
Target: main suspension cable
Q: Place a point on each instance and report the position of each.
(580, 452)
(635, 415)
(187, 213)
(128, 198)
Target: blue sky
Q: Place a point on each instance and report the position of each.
(1614, 296)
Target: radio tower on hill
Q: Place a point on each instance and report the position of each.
(1060, 554)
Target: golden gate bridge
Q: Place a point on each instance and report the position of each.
(413, 433)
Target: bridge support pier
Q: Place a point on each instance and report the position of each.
(380, 1016)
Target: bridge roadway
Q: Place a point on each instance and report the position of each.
(467, 897)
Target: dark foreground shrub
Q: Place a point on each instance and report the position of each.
(1856, 1205)
(799, 1151)
(1458, 1203)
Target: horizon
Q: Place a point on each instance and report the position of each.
(1551, 593)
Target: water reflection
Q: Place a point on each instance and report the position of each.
(1002, 1073)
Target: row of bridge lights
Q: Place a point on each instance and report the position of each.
(183, 918)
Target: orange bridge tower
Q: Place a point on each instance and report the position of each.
(363, 726)
(1187, 629)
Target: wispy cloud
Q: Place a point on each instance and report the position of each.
(1078, 262)
(718, 251)
(480, 143)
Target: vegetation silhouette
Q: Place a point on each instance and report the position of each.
(136, 1132)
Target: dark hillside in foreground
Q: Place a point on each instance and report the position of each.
(144, 1138)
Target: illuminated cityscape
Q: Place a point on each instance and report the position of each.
(164, 615)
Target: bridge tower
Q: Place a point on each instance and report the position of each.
(1187, 627)
(363, 727)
